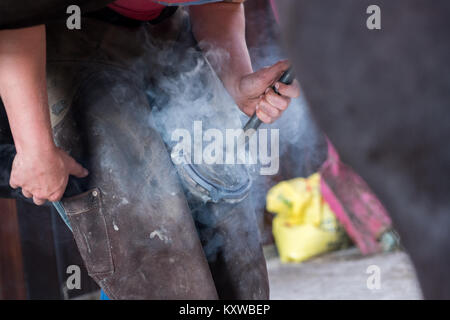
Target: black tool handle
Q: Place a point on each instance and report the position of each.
(287, 78)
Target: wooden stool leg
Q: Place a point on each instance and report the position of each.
(12, 282)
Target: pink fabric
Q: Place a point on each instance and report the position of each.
(143, 10)
(355, 205)
(275, 11)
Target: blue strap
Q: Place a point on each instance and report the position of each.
(62, 213)
(103, 295)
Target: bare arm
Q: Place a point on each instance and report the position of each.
(23, 87)
(221, 27)
(39, 168)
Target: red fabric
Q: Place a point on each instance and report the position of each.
(143, 10)
(353, 202)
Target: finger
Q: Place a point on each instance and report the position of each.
(268, 109)
(13, 184)
(279, 102)
(288, 90)
(38, 201)
(265, 77)
(27, 194)
(77, 170)
(263, 116)
(56, 196)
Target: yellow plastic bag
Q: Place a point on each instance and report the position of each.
(304, 225)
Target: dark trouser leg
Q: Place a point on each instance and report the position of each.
(134, 231)
(7, 153)
(231, 242)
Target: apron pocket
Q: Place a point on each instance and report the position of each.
(90, 231)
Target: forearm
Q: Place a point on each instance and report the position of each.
(220, 28)
(23, 87)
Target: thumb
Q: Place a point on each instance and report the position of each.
(77, 170)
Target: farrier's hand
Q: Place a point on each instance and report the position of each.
(43, 175)
(253, 92)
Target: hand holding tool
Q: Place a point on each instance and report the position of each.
(287, 78)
